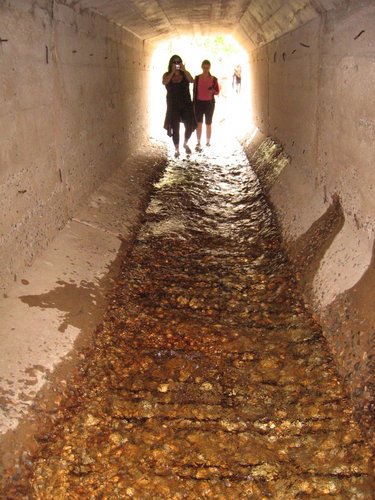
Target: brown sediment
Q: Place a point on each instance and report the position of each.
(207, 378)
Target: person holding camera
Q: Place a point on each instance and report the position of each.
(206, 87)
(179, 103)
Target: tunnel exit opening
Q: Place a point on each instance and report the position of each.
(233, 113)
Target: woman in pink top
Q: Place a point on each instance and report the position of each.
(205, 88)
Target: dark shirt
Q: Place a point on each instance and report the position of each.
(178, 94)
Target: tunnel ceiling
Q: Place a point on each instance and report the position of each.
(260, 21)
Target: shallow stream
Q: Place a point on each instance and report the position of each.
(208, 378)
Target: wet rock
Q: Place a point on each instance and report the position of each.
(163, 388)
(206, 386)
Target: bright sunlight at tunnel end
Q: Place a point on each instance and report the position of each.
(233, 105)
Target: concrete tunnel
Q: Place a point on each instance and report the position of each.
(74, 127)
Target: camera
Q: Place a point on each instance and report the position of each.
(178, 66)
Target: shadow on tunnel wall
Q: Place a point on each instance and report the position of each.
(311, 95)
(349, 321)
(349, 324)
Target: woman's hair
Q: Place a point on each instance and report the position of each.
(175, 56)
(206, 61)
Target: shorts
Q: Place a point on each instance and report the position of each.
(206, 109)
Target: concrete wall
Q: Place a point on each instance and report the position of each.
(73, 105)
(313, 94)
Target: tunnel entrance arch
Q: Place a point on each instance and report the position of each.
(233, 105)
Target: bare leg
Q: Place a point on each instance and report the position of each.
(187, 137)
(199, 133)
(208, 134)
(177, 149)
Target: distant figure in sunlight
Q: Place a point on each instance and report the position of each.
(179, 103)
(237, 78)
(206, 87)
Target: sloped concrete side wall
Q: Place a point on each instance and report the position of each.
(322, 111)
(73, 105)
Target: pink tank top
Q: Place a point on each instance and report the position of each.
(203, 93)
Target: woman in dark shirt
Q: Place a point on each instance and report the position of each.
(179, 103)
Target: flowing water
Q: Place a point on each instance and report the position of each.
(208, 378)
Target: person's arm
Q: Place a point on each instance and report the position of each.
(190, 79)
(167, 77)
(195, 88)
(216, 88)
